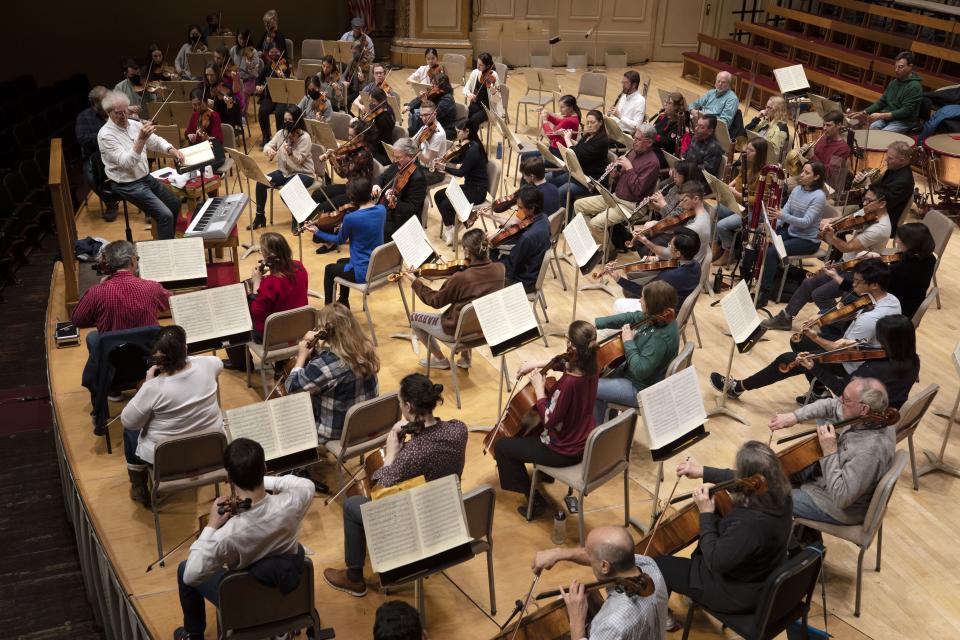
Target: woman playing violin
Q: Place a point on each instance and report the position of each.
(160, 69)
(291, 148)
(684, 278)
(422, 74)
(244, 55)
(315, 103)
(566, 414)
(330, 75)
(363, 229)
(195, 43)
(339, 372)
(525, 259)
(436, 450)
(737, 552)
(648, 350)
(672, 123)
(441, 95)
(350, 161)
(205, 125)
(482, 277)
(483, 90)
(471, 165)
(272, 68)
(382, 129)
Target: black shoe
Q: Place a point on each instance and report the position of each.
(735, 390)
(763, 299)
(327, 248)
(228, 364)
(539, 507)
(110, 214)
(260, 220)
(779, 322)
(814, 396)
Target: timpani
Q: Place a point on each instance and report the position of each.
(944, 159)
(874, 143)
(809, 124)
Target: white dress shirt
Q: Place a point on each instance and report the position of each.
(421, 75)
(268, 528)
(121, 163)
(631, 109)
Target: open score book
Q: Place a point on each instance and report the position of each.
(282, 426)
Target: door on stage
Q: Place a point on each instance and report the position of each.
(676, 32)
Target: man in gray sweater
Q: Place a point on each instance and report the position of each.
(838, 488)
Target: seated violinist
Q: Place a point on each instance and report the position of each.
(378, 81)
(566, 416)
(532, 172)
(401, 186)
(870, 277)
(205, 125)
(350, 161)
(471, 165)
(685, 277)
(837, 488)
(382, 127)
(525, 258)
(314, 103)
(609, 551)
(436, 449)
(648, 350)
(432, 140)
(738, 550)
(463, 287)
(330, 75)
(691, 201)
(363, 229)
(132, 86)
(441, 95)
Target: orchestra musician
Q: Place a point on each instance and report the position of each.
(685, 278)
(356, 34)
(432, 145)
(609, 551)
(830, 149)
(897, 179)
(671, 122)
(870, 277)
(898, 109)
(720, 102)
(355, 77)
(590, 148)
(797, 223)
(471, 165)
(823, 289)
(339, 372)
(212, 27)
(566, 415)
(273, 67)
(330, 76)
(160, 69)
(649, 349)
(124, 143)
(291, 147)
(205, 125)
(315, 89)
(195, 43)
(690, 199)
(284, 287)
(422, 74)
(177, 398)
(728, 223)
(272, 38)
(377, 82)
(355, 162)
(249, 64)
(87, 126)
(635, 179)
(532, 171)
(525, 258)
(482, 89)
(441, 95)
(771, 123)
(680, 173)
(736, 553)
(382, 129)
(838, 488)
(402, 203)
(482, 277)
(436, 450)
(363, 229)
(910, 277)
(704, 148)
(266, 535)
(133, 87)
(629, 109)
(558, 128)
(397, 620)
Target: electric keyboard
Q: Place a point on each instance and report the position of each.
(217, 217)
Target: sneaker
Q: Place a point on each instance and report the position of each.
(448, 235)
(779, 322)
(181, 634)
(463, 362)
(337, 579)
(802, 399)
(110, 213)
(115, 397)
(736, 387)
(435, 364)
(671, 623)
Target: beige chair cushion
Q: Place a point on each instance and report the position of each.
(571, 476)
(354, 450)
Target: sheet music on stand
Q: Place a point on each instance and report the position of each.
(178, 263)
(723, 192)
(412, 243)
(741, 316)
(461, 205)
(791, 79)
(673, 414)
(196, 156)
(214, 317)
(295, 195)
(773, 236)
(586, 252)
(506, 319)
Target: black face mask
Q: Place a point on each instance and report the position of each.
(195, 39)
(314, 93)
(135, 79)
(288, 126)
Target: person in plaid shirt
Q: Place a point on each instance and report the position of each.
(341, 372)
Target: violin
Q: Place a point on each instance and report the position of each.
(683, 527)
(234, 505)
(801, 455)
(203, 125)
(371, 114)
(853, 353)
(426, 133)
(328, 220)
(851, 222)
(262, 269)
(433, 270)
(455, 150)
(664, 225)
(850, 264)
(388, 195)
(640, 266)
(838, 313)
(499, 205)
(520, 417)
(320, 104)
(611, 353)
(524, 220)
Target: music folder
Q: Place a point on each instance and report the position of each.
(673, 414)
(177, 263)
(196, 157)
(506, 319)
(742, 319)
(586, 252)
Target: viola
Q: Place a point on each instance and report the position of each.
(388, 196)
(852, 222)
(664, 225)
(234, 505)
(433, 270)
(426, 133)
(372, 113)
(802, 454)
(611, 353)
(853, 262)
(524, 220)
(640, 266)
(640, 585)
(838, 313)
(520, 417)
(852, 353)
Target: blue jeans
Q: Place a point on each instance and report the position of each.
(897, 126)
(155, 200)
(566, 186)
(130, 439)
(191, 599)
(727, 224)
(794, 247)
(277, 179)
(943, 113)
(354, 539)
(805, 507)
(614, 388)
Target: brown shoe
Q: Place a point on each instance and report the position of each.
(139, 491)
(337, 579)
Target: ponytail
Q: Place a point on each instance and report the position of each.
(583, 338)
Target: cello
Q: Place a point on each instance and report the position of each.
(611, 353)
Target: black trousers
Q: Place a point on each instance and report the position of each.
(337, 194)
(716, 594)
(268, 107)
(512, 454)
(474, 194)
(771, 374)
(476, 114)
(337, 270)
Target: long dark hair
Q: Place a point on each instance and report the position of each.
(820, 173)
(295, 113)
(277, 254)
(583, 338)
(472, 127)
(571, 102)
(170, 349)
(760, 159)
(918, 243)
(602, 131)
(898, 337)
(755, 457)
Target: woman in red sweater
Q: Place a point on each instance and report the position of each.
(566, 416)
(283, 287)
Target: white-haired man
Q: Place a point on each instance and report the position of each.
(720, 101)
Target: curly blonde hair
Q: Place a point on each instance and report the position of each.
(347, 339)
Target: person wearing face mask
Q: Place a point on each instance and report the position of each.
(272, 36)
(291, 147)
(271, 69)
(132, 86)
(310, 103)
(213, 25)
(195, 43)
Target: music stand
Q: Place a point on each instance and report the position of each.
(611, 203)
(935, 462)
(659, 456)
(251, 171)
(586, 254)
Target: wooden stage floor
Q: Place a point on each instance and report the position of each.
(914, 596)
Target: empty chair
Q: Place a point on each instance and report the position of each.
(592, 92)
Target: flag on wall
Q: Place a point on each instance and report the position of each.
(363, 9)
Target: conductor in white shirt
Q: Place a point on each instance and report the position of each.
(123, 145)
(267, 527)
(631, 106)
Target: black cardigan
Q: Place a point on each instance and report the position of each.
(472, 168)
(897, 380)
(592, 155)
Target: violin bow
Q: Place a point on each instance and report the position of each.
(659, 519)
(526, 603)
(352, 481)
(145, 83)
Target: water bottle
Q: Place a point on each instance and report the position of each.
(559, 528)
(499, 151)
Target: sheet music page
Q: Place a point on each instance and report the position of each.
(441, 519)
(504, 314)
(170, 260)
(412, 242)
(390, 527)
(672, 408)
(231, 311)
(295, 426)
(253, 421)
(197, 154)
(723, 192)
(294, 195)
(579, 240)
(791, 78)
(773, 236)
(193, 312)
(459, 201)
(742, 318)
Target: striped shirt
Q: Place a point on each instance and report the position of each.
(122, 301)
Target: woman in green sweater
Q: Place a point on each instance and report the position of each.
(648, 351)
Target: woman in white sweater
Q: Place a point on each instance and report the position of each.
(481, 92)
